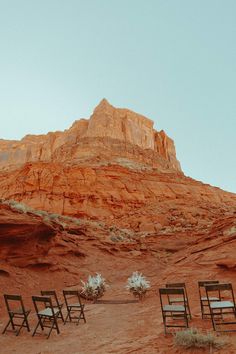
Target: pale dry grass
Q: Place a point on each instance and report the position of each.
(193, 338)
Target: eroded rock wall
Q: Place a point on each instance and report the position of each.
(110, 132)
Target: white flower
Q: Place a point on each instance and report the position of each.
(94, 287)
(137, 283)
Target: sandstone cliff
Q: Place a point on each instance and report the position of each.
(113, 167)
(110, 134)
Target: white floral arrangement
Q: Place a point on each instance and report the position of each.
(94, 287)
(138, 284)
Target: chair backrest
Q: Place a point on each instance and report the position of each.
(175, 285)
(171, 291)
(70, 294)
(42, 302)
(220, 288)
(53, 296)
(202, 283)
(178, 285)
(14, 302)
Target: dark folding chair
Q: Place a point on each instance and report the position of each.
(55, 302)
(73, 307)
(221, 310)
(16, 311)
(203, 298)
(179, 300)
(177, 313)
(46, 313)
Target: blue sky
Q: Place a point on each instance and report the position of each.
(173, 61)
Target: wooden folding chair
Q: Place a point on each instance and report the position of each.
(73, 307)
(179, 300)
(203, 298)
(221, 309)
(16, 311)
(55, 302)
(174, 312)
(46, 313)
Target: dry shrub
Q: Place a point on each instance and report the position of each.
(193, 338)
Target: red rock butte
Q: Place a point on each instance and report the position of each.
(109, 135)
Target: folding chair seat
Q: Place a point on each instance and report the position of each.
(177, 313)
(221, 310)
(55, 302)
(179, 300)
(46, 313)
(73, 305)
(203, 298)
(18, 315)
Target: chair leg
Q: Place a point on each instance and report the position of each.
(12, 322)
(6, 326)
(57, 327)
(186, 320)
(27, 323)
(164, 322)
(61, 315)
(39, 323)
(201, 308)
(35, 329)
(83, 315)
(49, 333)
(53, 326)
(68, 316)
(189, 311)
(213, 321)
(22, 325)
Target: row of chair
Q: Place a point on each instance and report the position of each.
(48, 309)
(216, 300)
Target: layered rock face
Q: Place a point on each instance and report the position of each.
(144, 201)
(110, 134)
(113, 167)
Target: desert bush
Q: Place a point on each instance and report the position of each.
(53, 216)
(94, 288)
(46, 219)
(193, 338)
(18, 206)
(137, 284)
(76, 221)
(41, 212)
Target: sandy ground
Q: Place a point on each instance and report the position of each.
(111, 328)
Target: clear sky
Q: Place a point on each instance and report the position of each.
(171, 60)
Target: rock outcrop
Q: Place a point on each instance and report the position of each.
(110, 133)
(113, 167)
(145, 200)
